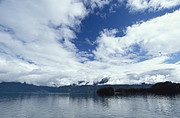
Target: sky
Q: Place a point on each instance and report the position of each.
(65, 42)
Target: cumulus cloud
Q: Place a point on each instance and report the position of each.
(156, 37)
(145, 47)
(96, 3)
(151, 5)
(36, 46)
(35, 39)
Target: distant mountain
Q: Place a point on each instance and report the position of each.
(13, 87)
(23, 87)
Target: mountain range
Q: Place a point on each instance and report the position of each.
(14, 87)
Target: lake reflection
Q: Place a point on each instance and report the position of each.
(88, 106)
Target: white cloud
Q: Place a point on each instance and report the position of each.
(96, 3)
(152, 41)
(36, 46)
(35, 35)
(143, 5)
(36, 40)
(158, 36)
(151, 5)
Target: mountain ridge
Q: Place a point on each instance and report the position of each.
(13, 87)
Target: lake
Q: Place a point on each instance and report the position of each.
(88, 106)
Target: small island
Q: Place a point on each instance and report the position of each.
(162, 88)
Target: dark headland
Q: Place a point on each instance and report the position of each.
(162, 88)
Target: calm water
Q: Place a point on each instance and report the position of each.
(84, 106)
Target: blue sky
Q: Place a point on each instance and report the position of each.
(62, 42)
(119, 19)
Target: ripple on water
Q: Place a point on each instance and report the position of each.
(88, 106)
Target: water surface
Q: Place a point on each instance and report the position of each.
(88, 106)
